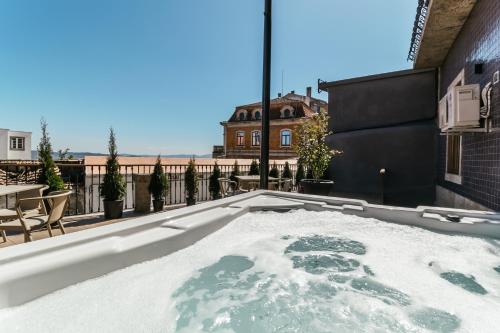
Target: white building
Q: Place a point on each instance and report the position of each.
(15, 145)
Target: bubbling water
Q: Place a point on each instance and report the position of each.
(294, 272)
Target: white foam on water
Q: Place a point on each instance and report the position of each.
(265, 293)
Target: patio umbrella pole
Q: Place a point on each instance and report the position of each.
(266, 97)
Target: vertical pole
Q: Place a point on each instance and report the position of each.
(266, 97)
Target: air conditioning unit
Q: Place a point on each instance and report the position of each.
(459, 109)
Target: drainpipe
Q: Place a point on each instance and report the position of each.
(266, 97)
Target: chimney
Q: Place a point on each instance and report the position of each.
(309, 91)
(292, 92)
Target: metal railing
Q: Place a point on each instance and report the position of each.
(84, 181)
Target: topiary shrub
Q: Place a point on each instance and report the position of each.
(158, 185)
(274, 172)
(300, 173)
(213, 185)
(234, 174)
(254, 168)
(113, 186)
(287, 173)
(191, 182)
(48, 174)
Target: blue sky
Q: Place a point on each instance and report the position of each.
(164, 73)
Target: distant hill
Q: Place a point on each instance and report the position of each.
(80, 155)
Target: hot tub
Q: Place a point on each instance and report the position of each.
(262, 262)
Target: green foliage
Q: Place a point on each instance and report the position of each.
(274, 172)
(311, 145)
(300, 173)
(213, 185)
(48, 174)
(254, 168)
(64, 155)
(234, 174)
(287, 173)
(309, 174)
(158, 184)
(191, 182)
(113, 186)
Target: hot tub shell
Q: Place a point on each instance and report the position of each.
(32, 270)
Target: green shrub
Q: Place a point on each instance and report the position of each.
(48, 174)
(311, 145)
(274, 172)
(300, 173)
(213, 185)
(158, 184)
(113, 186)
(287, 173)
(191, 182)
(234, 174)
(254, 168)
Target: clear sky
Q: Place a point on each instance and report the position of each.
(164, 73)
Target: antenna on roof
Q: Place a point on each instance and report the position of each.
(282, 80)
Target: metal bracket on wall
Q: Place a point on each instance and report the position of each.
(319, 83)
(486, 128)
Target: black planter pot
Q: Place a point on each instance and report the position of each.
(158, 205)
(113, 209)
(316, 187)
(190, 201)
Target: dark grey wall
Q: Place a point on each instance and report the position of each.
(386, 121)
(406, 152)
(382, 100)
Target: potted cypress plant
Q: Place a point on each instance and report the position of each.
(254, 168)
(234, 174)
(287, 173)
(48, 174)
(213, 185)
(274, 172)
(191, 182)
(158, 186)
(299, 175)
(113, 186)
(315, 154)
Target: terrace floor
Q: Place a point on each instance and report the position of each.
(74, 224)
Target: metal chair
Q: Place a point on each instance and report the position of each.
(27, 223)
(229, 187)
(31, 208)
(286, 185)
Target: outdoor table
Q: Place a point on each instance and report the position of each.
(26, 190)
(252, 182)
(12, 189)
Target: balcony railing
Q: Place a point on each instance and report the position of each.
(84, 181)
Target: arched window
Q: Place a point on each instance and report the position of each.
(286, 138)
(242, 116)
(257, 115)
(240, 138)
(287, 112)
(255, 138)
